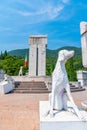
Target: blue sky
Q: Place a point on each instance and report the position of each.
(58, 19)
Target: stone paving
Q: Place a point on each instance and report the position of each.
(21, 111)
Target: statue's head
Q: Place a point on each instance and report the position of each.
(64, 55)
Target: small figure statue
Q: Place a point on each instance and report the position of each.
(20, 71)
(60, 86)
(5, 77)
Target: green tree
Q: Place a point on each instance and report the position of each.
(5, 53)
(50, 64)
(1, 56)
(12, 65)
(70, 70)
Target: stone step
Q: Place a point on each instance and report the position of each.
(76, 87)
(30, 87)
(77, 90)
(32, 91)
(33, 85)
(29, 84)
(72, 86)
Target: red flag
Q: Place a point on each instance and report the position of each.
(26, 61)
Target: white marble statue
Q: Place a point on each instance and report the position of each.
(60, 85)
(20, 71)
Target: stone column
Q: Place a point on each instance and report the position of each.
(42, 57)
(32, 60)
(82, 77)
(37, 55)
(83, 31)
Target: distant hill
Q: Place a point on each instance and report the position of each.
(19, 52)
(50, 53)
(54, 53)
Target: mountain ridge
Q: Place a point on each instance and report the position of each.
(49, 52)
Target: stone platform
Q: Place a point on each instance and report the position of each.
(64, 120)
(21, 111)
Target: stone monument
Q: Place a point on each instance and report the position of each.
(83, 31)
(82, 75)
(57, 113)
(37, 55)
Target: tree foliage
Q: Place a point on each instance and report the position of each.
(50, 64)
(11, 64)
(71, 70)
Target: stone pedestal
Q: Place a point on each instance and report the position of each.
(6, 87)
(64, 120)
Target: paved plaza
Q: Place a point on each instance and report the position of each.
(21, 111)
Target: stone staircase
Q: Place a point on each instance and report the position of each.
(30, 87)
(38, 87)
(75, 88)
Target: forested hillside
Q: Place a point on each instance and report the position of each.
(50, 53)
(11, 61)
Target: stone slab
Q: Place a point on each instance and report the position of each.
(64, 120)
(5, 87)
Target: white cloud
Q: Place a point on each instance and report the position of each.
(43, 10)
(33, 11)
(54, 12)
(50, 12)
(65, 1)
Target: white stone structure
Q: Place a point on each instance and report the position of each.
(7, 85)
(63, 120)
(37, 55)
(61, 87)
(20, 71)
(82, 77)
(83, 31)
